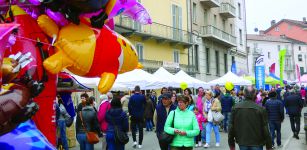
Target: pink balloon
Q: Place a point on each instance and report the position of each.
(111, 24)
(57, 17)
(35, 2)
(89, 15)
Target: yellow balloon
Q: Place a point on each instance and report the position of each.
(229, 86)
(183, 85)
(48, 26)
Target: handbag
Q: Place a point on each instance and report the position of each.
(217, 116)
(92, 137)
(166, 138)
(120, 136)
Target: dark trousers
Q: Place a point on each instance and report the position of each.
(226, 120)
(137, 123)
(163, 146)
(275, 126)
(181, 148)
(198, 137)
(295, 124)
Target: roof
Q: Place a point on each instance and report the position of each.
(295, 40)
(295, 22)
(266, 38)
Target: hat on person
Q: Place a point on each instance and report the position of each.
(167, 96)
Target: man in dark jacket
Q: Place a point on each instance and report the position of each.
(227, 103)
(249, 124)
(160, 115)
(136, 107)
(275, 112)
(294, 105)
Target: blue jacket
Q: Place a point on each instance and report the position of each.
(294, 104)
(226, 102)
(278, 91)
(275, 110)
(119, 118)
(161, 116)
(136, 105)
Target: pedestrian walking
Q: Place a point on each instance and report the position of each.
(227, 102)
(148, 114)
(200, 120)
(61, 123)
(104, 106)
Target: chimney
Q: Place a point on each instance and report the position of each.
(261, 32)
(304, 20)
(273, 22)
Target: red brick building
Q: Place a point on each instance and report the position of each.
(290, 28)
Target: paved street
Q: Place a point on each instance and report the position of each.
(150, 141)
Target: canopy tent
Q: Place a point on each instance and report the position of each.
(250, 78)
(303, 79)
(195, 83)
(167, 77)
(231, 77)
(140, 77)
(268, 80)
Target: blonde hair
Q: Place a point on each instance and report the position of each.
(209, 92)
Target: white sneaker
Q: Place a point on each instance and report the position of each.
(134, 144)
(206, 145)
(139, 146)
(199, 143)
(217, 144)
(196, 145)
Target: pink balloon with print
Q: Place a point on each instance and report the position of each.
(57, 17)
(138, 13)
(35, 2)
(120, 6)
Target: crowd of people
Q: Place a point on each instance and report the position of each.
(252, 118)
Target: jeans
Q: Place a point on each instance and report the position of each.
(295, 124)
(209, 127)
(275, 125)
(84, 144)
(149, 124)
(226, 120)
(162, 145)
(111, 142)
(251, 147)
(198, 137)
(137, 123)
(203, 132)
(62, 126)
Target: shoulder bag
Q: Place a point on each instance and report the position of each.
(92, 137)
(165, 137)
(120, 136)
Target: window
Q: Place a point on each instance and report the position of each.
(239, 10)
(269, 55)
(278, 47)
(299, 48)
(194, 13)
(214, 20)
(225, 63)
(241, 38)
(255, 45)
(277, 29)
(139, 49)
(217, 65)
(208, 60)
(205, 16)
(176, 56)
(224, 25)
(233, 59)
(286, 47)
(231, 29)
(300, 57)
(196, 57)
(177, 22)
(302, 70)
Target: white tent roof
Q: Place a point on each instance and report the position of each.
(229, 76)
(139, 77)
(192, 82)
(167, 77)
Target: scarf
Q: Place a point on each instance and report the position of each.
(208, 105)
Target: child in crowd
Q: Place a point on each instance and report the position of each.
(200, 119)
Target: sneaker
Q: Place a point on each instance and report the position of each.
(206, 145)
(199, 143)
(139, 146)
(217, 144)
(134, 144)
(196, 145)
(273, 147)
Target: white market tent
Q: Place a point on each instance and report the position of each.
(231, 77)
(139, 77)
(192, 82)
(167, 77)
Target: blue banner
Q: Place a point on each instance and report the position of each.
(260, 73)
(234, 67)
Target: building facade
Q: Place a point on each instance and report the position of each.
(215, 25)
(166, 41)
(269, 46)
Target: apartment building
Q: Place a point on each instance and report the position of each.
(166, 41)
(215, 26)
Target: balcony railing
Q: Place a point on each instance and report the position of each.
(153, 65)
(218, 35)
(210, 3)
(227, 10)
(156, 31)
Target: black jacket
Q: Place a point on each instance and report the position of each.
(90, 120)
(294, 104)
(249, 125)
(275, 110)
(118, 117)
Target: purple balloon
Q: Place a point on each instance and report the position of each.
(35, 2)
(57, 17)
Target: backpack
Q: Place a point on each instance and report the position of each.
(120, 136)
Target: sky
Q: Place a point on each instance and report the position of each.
(259, 13)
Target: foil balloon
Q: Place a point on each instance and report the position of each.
(183, 85)
(35, 2)
(138, 13)
(57, 17)
(26, 137)
(229, 86)
(30, 38)
(92, 53)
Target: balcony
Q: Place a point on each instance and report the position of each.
(159, 32)
(210, 3)
(257, 51)
(215, 34)
(153, 65)
(227, 10)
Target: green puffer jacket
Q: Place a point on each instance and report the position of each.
(184, 121)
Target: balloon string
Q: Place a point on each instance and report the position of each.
(21, 37)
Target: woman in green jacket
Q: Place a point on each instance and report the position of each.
(185, 126)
